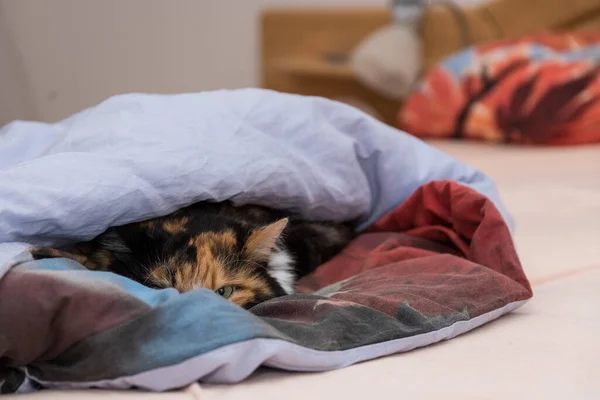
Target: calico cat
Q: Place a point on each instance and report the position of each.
(247, 254)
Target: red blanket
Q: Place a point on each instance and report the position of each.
(446, 250)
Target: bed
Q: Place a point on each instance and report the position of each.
(546, 349)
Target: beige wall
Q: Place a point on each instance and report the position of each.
(15, 100)
(59, 56)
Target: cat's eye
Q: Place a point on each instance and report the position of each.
(225, 291)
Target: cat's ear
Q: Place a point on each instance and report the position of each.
(263, 240)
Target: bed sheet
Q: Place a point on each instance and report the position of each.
(554, 195)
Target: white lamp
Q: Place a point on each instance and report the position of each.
(389, 61)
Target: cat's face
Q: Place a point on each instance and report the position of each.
(188, 252)
(227, 259)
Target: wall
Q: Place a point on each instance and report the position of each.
(15, 101)
(70, 54)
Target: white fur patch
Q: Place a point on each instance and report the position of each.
(281, 268)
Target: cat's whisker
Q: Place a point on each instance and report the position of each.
(230, 259)
(244, 260)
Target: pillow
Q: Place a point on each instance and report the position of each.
(542, 89)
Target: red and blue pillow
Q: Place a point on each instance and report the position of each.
(542, 89)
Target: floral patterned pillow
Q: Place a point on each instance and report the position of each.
(542, 89)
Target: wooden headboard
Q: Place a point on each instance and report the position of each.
(500, 19)
(304, 50)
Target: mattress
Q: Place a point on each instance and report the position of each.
(547, 349)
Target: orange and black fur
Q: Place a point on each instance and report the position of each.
(247, 254)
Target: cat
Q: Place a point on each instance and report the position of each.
(246, 254)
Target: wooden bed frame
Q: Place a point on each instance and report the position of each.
(305, 50)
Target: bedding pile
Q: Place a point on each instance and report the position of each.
(541, 89)
(435, 257)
